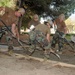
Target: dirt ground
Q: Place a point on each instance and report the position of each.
(11, 65)
(15, 66)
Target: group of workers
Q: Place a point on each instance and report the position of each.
(60, 33)
(13, 18)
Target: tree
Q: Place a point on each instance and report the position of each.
(49, 7)
(42, 7)
(8, 3)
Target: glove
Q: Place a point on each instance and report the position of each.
(32, 27)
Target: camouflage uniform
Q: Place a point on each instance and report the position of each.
(59, 34)
(8, 18)
(58, 39)
(38, 35)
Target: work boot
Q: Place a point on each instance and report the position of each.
(59, 51)
(10, 50)
(31, 49)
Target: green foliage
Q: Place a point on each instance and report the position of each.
(7, 3)
(43, 6)
(37, 6)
